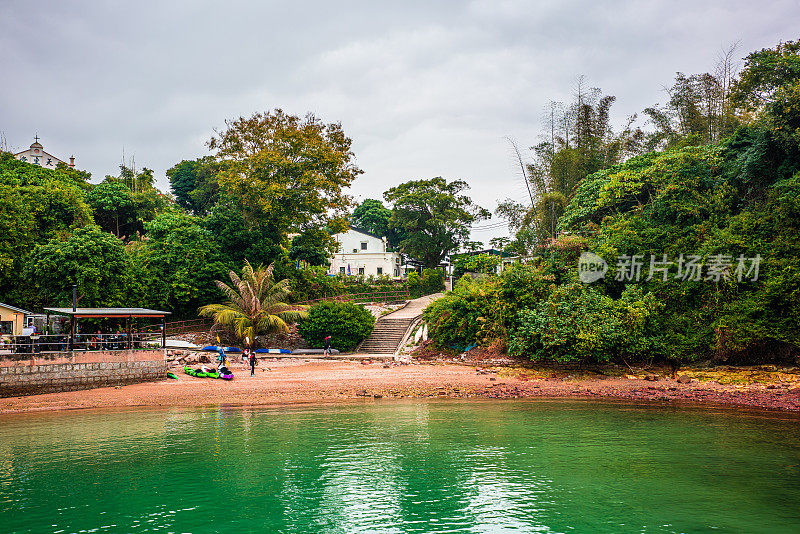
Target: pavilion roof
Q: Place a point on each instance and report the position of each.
(109, 312)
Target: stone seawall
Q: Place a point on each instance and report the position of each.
(70, 373)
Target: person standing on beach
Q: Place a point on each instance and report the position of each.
(327, 351)
(252, 363)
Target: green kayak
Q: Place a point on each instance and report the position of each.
(199, 373)
(172, 376)
(212, 373)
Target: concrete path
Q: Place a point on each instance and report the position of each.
(414, 307)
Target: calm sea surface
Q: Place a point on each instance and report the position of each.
(506, 466)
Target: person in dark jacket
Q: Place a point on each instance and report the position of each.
(327, 351)
(252, 363)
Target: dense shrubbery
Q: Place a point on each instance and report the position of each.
(736, 198)
(576, 322)
(479, 263)
(483, 311)
(431, 281)
(314, 283)
(458, 318)
(346, 323)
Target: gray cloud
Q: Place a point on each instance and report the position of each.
(424, 89)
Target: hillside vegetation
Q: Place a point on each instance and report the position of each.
(701, 243)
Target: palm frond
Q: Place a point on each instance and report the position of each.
(255, 303)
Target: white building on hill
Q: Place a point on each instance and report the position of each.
(363, 253)
(37, 156)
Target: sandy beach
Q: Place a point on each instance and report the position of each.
(311, 381)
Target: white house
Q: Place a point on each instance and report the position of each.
(363, 253)
(37, 156)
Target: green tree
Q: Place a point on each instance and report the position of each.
(36, 205)
(256, 304)
(113, 206)
(435, 215)
(314, 247)
(176, 264)
(261, 244)
(285, 172)
(499, 243)
(580, 142)
(136, 182)
(91, 258)
(472, 246)
(372, 216)
(194, 184)
(770, 87)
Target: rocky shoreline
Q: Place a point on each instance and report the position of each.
(289, 381)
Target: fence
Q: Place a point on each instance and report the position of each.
(183, 327)
(23, 345)
(388, 296)
(205, 323)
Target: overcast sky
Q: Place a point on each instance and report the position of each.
(423, 88)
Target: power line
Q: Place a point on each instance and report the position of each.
(490, 225)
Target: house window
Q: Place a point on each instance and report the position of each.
(397, 272)
(361, 270)
(341, 270)
(380, 271)
(363, 245)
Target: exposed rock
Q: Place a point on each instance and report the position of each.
(652, 378)
(684, 379)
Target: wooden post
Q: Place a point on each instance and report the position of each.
(164, 332)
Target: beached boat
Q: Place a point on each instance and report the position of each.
(225, 373)
(199, 373)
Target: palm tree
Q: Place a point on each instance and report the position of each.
(255, 303)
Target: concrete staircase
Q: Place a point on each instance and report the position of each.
(387, 335)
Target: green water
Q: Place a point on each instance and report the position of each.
(401, 467)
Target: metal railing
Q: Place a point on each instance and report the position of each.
(394, 295)
(80, 342)
(182, 327)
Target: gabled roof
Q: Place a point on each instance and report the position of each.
(360, 231)
(14, 308)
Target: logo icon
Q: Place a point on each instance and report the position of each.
(591, 267)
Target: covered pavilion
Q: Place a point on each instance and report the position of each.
(128, 314)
